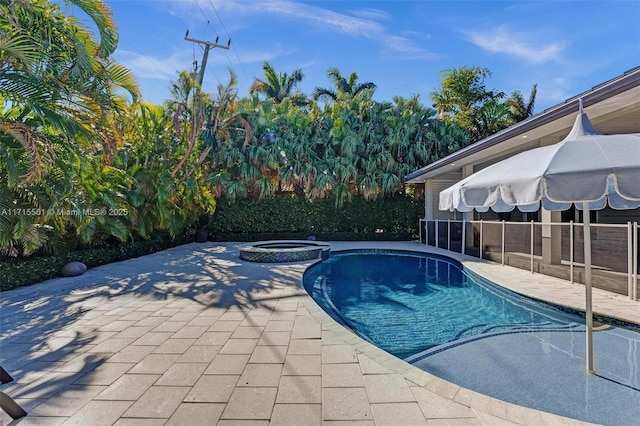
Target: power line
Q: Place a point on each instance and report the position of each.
(147, 58)
(175, 14)
(204, 48)
(208, 45)
(234, 50)
(204, 15)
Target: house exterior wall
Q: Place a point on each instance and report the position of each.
(614, 108)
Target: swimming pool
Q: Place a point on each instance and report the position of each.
(428, 310)
(421, 301)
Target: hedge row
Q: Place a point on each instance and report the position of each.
(23, 272)
(280, 217)
(284, 217)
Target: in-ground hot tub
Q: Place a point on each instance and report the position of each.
(279, 251)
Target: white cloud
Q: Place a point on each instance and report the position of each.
(406, 48)
(307, 14)
(555, 90)
(361, 24)
(164, 67)
(372, 14)
(519, 44)
(248, 56)
(417, 34)
(145, 66)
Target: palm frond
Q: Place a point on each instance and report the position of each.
(102, 17)
(22, 47)
(36, 146)
(123, 78)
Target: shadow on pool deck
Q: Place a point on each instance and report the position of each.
(38, 322)
(140, 339)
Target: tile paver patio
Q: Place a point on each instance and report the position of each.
(193, 335)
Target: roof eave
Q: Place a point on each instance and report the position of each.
(620, 84)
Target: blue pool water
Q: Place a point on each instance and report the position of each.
(427, 310)
(407, 304)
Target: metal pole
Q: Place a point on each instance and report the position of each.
(635, 260)
(207, 46)
(464, 231)
(531, 266)
(571, 254)
(448, 234)
(437, 242)
(502, 255)
(426, 231)
(587, 285)
(480, 238)
(630, 260)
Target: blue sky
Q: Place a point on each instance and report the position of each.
(566, 47)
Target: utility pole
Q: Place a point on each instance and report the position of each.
(207, 46)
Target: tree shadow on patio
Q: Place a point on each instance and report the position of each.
(57, 321)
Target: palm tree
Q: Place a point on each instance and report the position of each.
(490, 118)
(279, 86)
(462, 95)
(58, 90)
(187, 110)
(53, 72)
(518, 109)
(342, 86)
(224, 120)
(147, 154)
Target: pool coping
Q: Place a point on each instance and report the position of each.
(478, 402)
(163, 289)
(532, 285)
(306, 250)
(526, 283)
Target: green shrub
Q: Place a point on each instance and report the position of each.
(281, 217)
(284, 217)
(22, 272)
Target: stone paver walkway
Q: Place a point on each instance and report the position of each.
(194, 336)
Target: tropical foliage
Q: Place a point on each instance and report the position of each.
(353, 145)
(279, 86)
(59, 123)
(86, 163)
(342, 87)
(464, 99)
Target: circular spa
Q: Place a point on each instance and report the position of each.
(282, 251)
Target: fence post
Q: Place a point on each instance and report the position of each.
(437, 241)
(629, 260)
(480, 238)
(571, 243)
(426, 231)
(532, 247)
(502, 254)
(464, 237)
(449, 234)
(635, 260)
